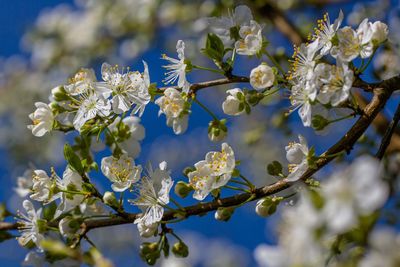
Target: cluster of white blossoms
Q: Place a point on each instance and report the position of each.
(239, 30)
(315, 82)
(85, 98)
(213, 172)
(103, 112)
(309, 228)
(262, 78)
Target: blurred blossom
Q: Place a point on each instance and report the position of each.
(375, 10)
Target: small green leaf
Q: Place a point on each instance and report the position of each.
(73, 160)
(274, 168)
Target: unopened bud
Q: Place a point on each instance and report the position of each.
(267, 206)
(180, 250)
(59, 93)
(224, 214)
(110, 199)
(217, 130)
(183, 189)
(149, 252)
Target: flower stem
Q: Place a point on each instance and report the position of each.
(272, 92)
(276, 63)
(208, 69)
(250, 184)
(236, 188)
(206, 109)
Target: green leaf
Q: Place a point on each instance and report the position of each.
(73, 159)
(49, 210)
(214, 47)
(274, 168)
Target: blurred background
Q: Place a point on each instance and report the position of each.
(44, 42)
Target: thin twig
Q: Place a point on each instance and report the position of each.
(388, 134)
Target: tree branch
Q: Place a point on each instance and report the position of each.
(388, 134)
(382, 93)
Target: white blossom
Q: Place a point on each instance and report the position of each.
(222, 26)
(68, 226)
(127, 88)
(172, 104)
(43, 187)
(24, 183)
(71, 180)
(327, 31)
(354, 43)
(297, 155)
(262, 77)
(122, 171)
(336, 81)
(147, 230)
(91, 106)
(355, 191)
(302, 94)
(136, 133)
(176, 70)
(298, 243)
(213, 172)
(379, 32)
(305, 59)
(42, 119)
(251, 41)
(153, 194)
(384, 250)
(81, 83)
(30, 225)
(231, 105)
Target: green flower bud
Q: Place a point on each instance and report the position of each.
(267, 206)
(183, 189)
(217, 130)
(319, 122)
(110, 199)
(59, 93)
(180, 250)
(150, 252)
(224, 214)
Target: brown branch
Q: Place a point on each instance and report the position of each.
(281, 22)
(198, 86)
(388, 134)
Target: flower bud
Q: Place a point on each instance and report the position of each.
(267, 206)
(262, 77)
(217, 130)
(379, 32)
(149, 252)
(59, 93)
(224, 214)
(234, 102)
(319, 122)
(110, 199)
(180, 250)
(183, 189)
(68, 226)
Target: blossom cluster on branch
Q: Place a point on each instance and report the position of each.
(328, 222)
